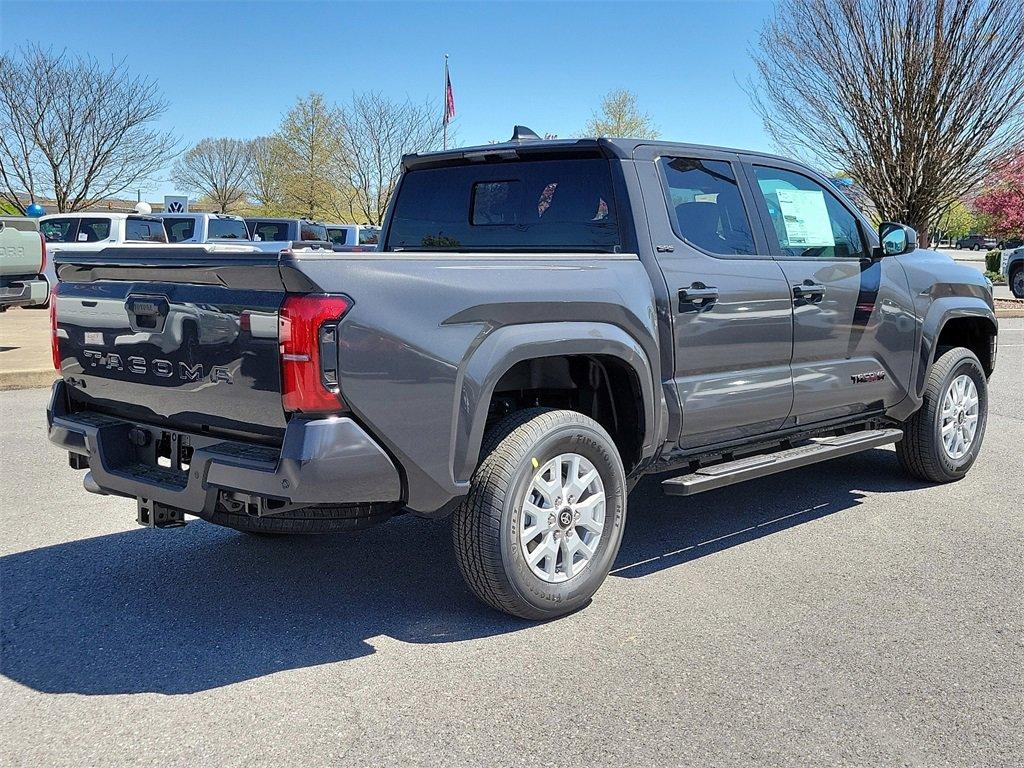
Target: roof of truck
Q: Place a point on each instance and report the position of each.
(524, 139)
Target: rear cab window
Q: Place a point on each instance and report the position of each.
(227, 229)
(706, 206)
(144, 230)
(179, 230)
(59, 230)
(337, 235)
(93, 230)
(270, 231)
(524, 205)
(309, 230)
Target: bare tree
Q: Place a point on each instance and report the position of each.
(376, 133)
(76, 130)
(217, 169)
(917, 99)
(263, 182)
(619, 116)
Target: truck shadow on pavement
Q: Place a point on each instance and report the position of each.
(181, 611)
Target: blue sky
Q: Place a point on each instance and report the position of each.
(233, 68)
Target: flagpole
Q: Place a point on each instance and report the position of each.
(444, 100)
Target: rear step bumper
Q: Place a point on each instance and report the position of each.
(751, 467)
(321, 461)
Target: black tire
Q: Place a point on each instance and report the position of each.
(1017, 282)
(921, 452)
(318, 519)
(485, 527)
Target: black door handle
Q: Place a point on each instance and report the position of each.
(807, 290)
(697, 296)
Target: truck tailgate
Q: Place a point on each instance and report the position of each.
(183, 338)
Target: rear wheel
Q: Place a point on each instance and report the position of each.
(542, 523)
(942, 440)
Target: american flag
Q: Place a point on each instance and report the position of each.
(449, 95)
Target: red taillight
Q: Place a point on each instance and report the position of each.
(309, 383)
(42, 257)
(54, 345)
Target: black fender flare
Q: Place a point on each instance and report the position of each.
(506, 346)
(941, 311)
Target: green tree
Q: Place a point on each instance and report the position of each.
(308, 141)
(955, 221)
(264, 181)
(619, 116)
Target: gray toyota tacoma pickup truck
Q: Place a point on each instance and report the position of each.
(544, 323)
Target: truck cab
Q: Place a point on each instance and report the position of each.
(197, 228)
(353, 237)
(288, 233)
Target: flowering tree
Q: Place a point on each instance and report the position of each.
(1003, 199)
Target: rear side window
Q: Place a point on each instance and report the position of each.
(59, 230)
(368, 236)
(93, 230)
(179, 230)
(310, 231)
(145, 230)
(337, 235)
(706, 205)
(228, 229)
(270, 230)
(563, 205)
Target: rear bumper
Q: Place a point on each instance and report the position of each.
(321, 461)
(24, 293)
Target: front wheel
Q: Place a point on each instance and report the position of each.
(542, 523)
(1017, 282)
(942, 439)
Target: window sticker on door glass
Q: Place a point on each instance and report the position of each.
(806, 218)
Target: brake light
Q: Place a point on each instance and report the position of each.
(54, 345)
(308, 335)
(42, 257)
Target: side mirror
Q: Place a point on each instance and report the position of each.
(896, 238)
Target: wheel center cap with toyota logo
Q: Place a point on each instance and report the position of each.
(565, 518)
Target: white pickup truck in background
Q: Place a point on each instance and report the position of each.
(22, 262)
(353, 237)
(201, 228)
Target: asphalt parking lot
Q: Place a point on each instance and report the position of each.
(838, 615)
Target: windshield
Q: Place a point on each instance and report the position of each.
(529, 205)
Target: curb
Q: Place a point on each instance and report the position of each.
(26, 379)
(1004, 313)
